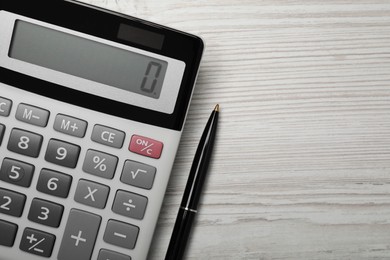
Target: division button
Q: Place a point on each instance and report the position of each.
(79, 236)
(130, 204)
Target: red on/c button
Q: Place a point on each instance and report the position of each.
(146, 146)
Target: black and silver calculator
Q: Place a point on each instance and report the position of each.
(92, 107)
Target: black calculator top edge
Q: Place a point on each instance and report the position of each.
(105, 24)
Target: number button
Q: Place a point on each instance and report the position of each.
(45, 212)
(16, 172)
(25, 143)
(54, 183)
(11, 203)
(8, 232)
(62, 153)
(37, 242)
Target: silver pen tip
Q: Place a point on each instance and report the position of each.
(216, 108)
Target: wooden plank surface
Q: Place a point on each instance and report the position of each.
(302, 162)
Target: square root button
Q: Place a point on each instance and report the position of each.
(146, 146)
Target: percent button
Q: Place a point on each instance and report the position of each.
(100, 164)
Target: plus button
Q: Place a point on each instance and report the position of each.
(78, 238)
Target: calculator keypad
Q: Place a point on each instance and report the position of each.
(92, 190)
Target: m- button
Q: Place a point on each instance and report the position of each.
(108, 136)
(32, 115)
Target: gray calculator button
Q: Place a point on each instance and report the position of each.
(11, 203)
(16, 172)
(25, 142)
(70, 125)
(130, 204)
(5, 106)
(108, 136)
(32, 115)
(8, 233)
(138, 174)
(105, 254)
(100, 164)
(121, 234)
(62, 153)
(79, 236)
(92, 194)
(54, 183)
(37, 242)
(45, 212)
(2, 130)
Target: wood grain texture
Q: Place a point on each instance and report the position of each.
(302, 162)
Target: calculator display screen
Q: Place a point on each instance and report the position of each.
(88, 59)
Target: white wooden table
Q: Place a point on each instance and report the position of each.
(302, 162)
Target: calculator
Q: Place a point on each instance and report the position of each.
(92, 107)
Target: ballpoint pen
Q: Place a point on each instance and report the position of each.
(193, 190)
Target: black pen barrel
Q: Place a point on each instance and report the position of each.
(180, 233)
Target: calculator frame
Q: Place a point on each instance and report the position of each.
(104, 24)
(101, 23)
